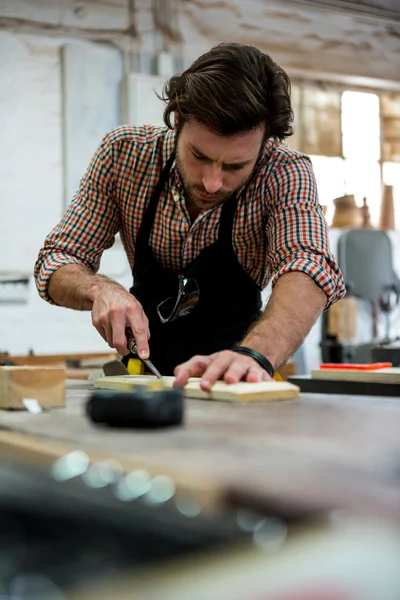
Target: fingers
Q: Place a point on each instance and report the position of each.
(256, 374)
(226, 365)
(104, 333)
(139, 324)
(112, 312)
(194, 367)
(117, 330)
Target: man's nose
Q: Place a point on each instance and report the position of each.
(212, 179)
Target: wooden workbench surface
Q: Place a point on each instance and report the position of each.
(313, 453)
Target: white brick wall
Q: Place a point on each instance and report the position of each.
(31, 168)
(30, 146)
(31, 193)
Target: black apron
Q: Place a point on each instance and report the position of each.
(229, 302)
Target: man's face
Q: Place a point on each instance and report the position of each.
(213, 167)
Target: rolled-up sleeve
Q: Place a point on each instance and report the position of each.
(297, 231)
(88, 226)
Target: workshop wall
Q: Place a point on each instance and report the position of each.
(305, 39)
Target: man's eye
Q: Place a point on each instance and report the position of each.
(235, 168)
(198, 157)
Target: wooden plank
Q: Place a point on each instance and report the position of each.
(391, 375)
(84, 359)
(221, 391)
(81, 374)
(44, 384)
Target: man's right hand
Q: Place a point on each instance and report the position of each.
(114, 309)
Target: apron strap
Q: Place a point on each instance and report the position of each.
(226, 223)
(150, 212)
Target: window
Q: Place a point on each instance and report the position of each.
(353, 139)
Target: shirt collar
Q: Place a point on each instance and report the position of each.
(168, 148)
(169, 145)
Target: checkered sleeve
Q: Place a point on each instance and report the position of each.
(297, 230)
(89, 225)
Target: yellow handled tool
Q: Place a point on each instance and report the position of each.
(133, 348)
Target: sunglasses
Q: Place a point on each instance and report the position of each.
(188, 295)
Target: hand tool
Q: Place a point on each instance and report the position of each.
(143, 407)
(133, 348)
(114, 367)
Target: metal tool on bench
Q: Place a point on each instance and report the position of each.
(116, 367)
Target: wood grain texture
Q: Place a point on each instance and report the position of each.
(313, 454)
(82, 374)
(238, 392)
(391, 375)
(44, 384)
(86, 359)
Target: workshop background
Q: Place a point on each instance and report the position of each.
(70, 70)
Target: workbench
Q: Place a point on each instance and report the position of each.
(296, 472)
(306, 455)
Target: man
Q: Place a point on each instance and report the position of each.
(209, 210)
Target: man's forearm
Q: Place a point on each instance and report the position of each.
(75, 286)
(295, 304)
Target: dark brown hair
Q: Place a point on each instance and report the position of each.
(231, 89)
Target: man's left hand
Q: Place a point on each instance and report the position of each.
(229, 366)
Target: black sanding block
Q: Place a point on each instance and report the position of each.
(139, 408)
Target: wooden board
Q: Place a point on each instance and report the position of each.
(237, 392)
(87, 359)
(81, 374)
(44, 384)
(391, 375)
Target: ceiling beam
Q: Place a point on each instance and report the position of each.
(353, 7)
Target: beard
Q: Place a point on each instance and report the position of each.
(196, 203)
(191, 191)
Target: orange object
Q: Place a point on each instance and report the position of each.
(355, 367)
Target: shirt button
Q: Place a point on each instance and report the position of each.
(176, 197)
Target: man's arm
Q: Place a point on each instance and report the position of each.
(295, 304)
(75, 286)
(67, 265)
(113, 308)
(306, 279)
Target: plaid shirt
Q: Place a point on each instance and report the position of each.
(278, 226)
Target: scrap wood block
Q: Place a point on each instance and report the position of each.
(221, 391)
(44, 384)
(386, 375)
